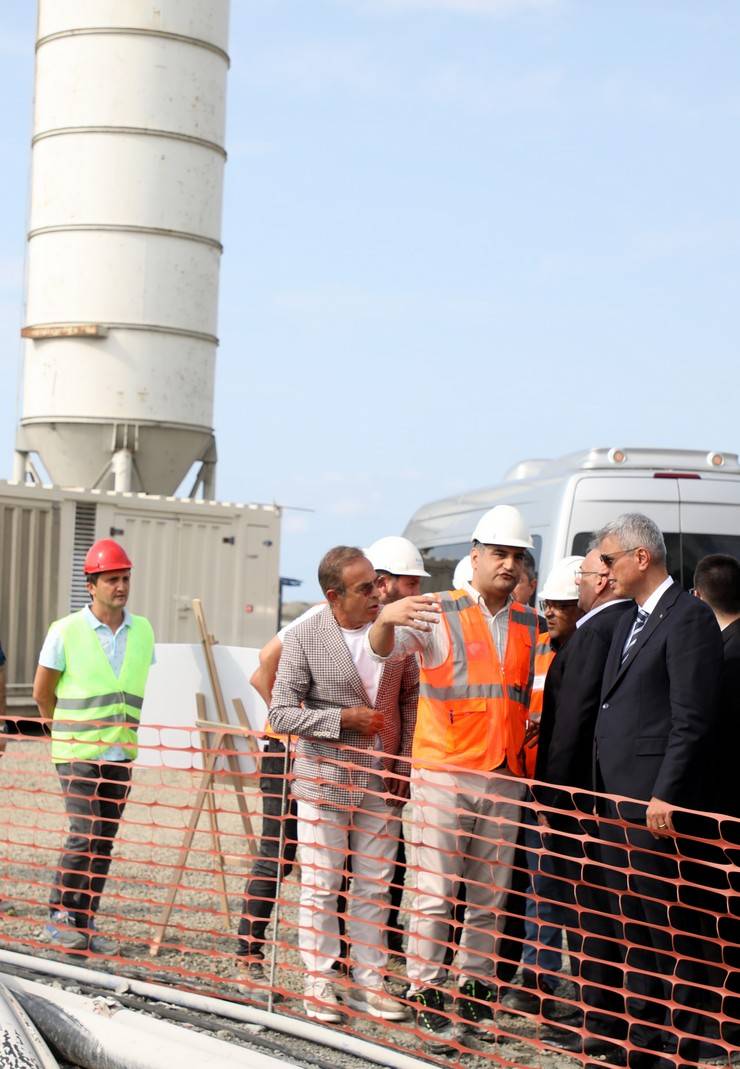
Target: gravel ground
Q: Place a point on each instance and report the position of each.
(197, 952)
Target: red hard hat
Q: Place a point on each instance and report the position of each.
(106, 556)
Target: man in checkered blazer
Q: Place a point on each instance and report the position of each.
(355, 722)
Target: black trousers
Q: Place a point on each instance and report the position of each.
(95, 794)
(397, 883)
(260, 890)
(648, 951)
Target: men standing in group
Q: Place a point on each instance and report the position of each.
(657, 714)
(400, 570)
(542, 950)
(566, 739)
(477, 664)
(90, 683)
(717, 582)
(355, 723)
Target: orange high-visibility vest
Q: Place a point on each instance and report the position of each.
(543, 657)
(472, 710)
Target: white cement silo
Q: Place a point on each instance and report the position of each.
(124, 243)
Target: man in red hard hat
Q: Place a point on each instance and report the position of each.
(90, 684)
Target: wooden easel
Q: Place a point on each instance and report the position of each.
(218, 738)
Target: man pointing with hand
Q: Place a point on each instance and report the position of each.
(477, 668)
(355, 721)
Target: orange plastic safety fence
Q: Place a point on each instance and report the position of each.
(526, 923)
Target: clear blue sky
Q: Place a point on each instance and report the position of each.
(458, 233)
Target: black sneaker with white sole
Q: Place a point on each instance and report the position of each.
(431, 1019)
(474, 1005)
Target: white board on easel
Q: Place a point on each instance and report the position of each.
(168, 736)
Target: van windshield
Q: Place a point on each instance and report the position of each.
(684, 551)
(440, 562)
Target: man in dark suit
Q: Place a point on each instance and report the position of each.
(717, 582)
(659, 704)
(565, 747)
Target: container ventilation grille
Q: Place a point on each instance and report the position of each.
(84, 538)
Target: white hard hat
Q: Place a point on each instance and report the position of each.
(396, 555)
(502, 526)
(560, 584)
(463, 573)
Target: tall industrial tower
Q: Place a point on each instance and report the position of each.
(124, 243)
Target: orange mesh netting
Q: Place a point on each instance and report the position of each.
(630, 946)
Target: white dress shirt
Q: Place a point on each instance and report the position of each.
(433, 646)
(605, 605)
(656, 595)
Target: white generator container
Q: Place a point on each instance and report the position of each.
(225, 554)
(124, 243)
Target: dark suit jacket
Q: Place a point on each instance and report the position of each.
(571, 701)
(658, 709)
(728, 725)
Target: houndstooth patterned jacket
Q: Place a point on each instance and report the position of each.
(317, 678)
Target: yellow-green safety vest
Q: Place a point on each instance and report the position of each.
(95, 708)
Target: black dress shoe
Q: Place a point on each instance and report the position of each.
(595, 1046)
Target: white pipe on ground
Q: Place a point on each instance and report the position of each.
(290, 1026)
(91, 1033)
(21, 1044)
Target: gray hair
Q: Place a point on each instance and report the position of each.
(634, 530)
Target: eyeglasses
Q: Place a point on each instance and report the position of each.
(557, 606)
(608, 558)
(580, 574)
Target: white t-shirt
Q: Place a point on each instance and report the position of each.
(368, 669)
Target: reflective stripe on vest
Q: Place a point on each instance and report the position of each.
(472, 710)
(95, 709)
(543, 656)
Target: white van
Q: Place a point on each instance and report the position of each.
(693, 496)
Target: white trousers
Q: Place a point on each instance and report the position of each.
(464, 827)
(326, 836)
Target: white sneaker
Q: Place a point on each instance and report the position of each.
(376, 1003)
(320, 1002)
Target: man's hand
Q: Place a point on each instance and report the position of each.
(362, 719)
(532, 731)
(398, 788)
(421, 613)
(660, 818)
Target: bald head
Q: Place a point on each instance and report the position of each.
(593, 582)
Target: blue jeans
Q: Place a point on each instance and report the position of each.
(546, 916)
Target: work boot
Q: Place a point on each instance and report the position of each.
(474, 1006)
(435, 1026)
(62, 931)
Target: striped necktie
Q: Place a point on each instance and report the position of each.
(640, 621)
